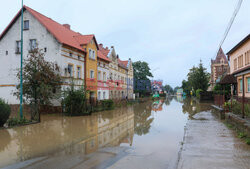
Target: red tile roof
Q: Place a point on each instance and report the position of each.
(85, 39)
(100, 55)
(60, 32)
(105, 51)
(123, 63)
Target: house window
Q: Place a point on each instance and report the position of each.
(92, 75)
(45, 49)
(104, 77)
(32, 44)
(235, 64)
(99, 75)
(247, 59)
(93, 56)
(26, 25)
(104, 95)
(78, 72)
(18, 46)
(240, 61)
(79, 57)
(90, 53)
(70, 54)
(7, 52)
(99, 95)
(240, 85)
(70, 70)
(248, 84)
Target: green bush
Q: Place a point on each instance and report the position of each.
(74, 102)
(163, 95)
(4, 112)
(197, 93)
(107, 104)
(16, 121)
(237, 107)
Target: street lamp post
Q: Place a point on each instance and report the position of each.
(21, 65)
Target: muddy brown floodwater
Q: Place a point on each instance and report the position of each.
(146, 135)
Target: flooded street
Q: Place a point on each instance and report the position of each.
(145, 135)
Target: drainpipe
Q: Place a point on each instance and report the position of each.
(243, 97)
(127, 84)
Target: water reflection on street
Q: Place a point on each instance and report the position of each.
(152, 130)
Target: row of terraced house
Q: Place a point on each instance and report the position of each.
(80, 57)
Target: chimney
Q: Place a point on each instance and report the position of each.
(66, 26)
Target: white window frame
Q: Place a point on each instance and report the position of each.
(18, 46)
(33, 44)
(104, 95)
(99, 75)
(79, 72)
(25, 24)
(92, 71)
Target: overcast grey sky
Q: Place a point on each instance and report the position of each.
(169, 35)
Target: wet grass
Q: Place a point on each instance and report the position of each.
(240, 134)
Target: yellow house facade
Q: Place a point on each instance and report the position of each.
(89, 44)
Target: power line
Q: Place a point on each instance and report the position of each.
(236, 10)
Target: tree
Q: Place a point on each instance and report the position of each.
(41, 82)
(186, 86)
(141, 70)
(142, 74)
(198, 78)
(169, 89)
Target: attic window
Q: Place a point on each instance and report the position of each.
(70, 54)
(26, 25)
(7, 52)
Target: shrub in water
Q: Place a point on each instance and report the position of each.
(16, 121)
(4, 112)
(74, 102)
(107, 104)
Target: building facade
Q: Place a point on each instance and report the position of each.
(43, 33)
(89, 44)
(102, 73)
(120, 77)
(99, 71)
(219, 67)
(239, 57)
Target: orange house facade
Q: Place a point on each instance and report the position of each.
(239, 57)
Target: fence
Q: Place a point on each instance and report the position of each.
(219, 100)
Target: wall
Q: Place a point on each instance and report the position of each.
(102, 85)
(240, 51)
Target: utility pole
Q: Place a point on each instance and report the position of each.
(21, 65)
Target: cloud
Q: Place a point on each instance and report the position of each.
(172, 35)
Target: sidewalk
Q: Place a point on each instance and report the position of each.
(209, 144)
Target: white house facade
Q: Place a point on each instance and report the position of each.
(36, 34)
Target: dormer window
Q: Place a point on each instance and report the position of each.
(26, 25)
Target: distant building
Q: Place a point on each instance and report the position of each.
(219, 66)
(157, 86)
(179, 92)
